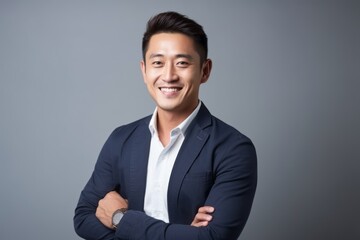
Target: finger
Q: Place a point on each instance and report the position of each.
(117, 197)
(200, 224)
(202, 217)
(201, 220)
(113, 194)
(206, 209)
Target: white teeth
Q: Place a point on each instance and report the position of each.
(169, 89)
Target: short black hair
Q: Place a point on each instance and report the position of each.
(173, 22)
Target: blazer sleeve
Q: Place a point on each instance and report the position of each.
(231, 195)
(100, 183)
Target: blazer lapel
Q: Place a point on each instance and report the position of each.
(192, 145)
(140, 146)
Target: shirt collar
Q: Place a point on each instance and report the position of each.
(181, 128)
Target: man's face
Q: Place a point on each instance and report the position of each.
(173, 73)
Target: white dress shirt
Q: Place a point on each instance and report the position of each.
(160, 164)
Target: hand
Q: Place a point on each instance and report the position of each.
(108, 205)
(203, 217)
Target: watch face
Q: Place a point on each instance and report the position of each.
(117, 217)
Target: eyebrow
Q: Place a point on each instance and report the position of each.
(187, 56)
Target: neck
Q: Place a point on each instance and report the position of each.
(166, 121)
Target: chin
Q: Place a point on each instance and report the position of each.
(167, 108)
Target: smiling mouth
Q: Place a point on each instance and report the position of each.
(170, 89)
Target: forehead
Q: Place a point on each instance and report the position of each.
(168, 44)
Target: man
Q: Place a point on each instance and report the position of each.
(180, 174)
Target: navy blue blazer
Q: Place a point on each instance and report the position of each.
(216, 166)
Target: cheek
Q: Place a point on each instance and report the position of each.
(193, 81)
(148, 79)
(151, 76)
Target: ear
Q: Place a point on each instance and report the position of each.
(206, 70)
(143, 69)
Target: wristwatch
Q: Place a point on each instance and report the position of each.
(117, 216)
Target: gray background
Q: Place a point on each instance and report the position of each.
(286, 73)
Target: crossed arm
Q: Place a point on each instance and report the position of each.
(113, 201)
(230, 196)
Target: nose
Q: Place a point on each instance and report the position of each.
(169, 73)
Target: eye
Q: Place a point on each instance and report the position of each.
(157, 64)
(182, 64)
